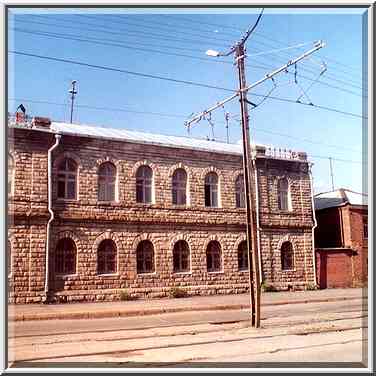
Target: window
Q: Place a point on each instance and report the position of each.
(106, 258)
(213, 256)
(65, 257)
(287, 256)
(9, 259)
(243, 256)
(145, 257)
(365, 227)
(211, 190)
(283, 194)
(179, 187)
(239, 192)
(106, 182)
(67, 179)
(144, 184)
(181, 256)
(10, 174)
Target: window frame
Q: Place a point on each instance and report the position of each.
(106, 255)
(244, 257)
(106, 181)
(63, 255)
(365, 227)
(144, 270)
(144, 183)
(65, 177)
(179, 254)
(212, 253)
(11, 174)
(211, 190)
(292, 256)
(179, 187)
(239, 192)
(284, 195)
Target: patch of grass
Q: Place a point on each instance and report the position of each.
(126, 296)
(265, 287)
(177, 292)
(311, 287)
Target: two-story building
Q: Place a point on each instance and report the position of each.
(96, 211)
(341, 238)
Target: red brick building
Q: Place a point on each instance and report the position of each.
(96, 211)
(341, 239)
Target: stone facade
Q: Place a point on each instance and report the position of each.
(87, 221)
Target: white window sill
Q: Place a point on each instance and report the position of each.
(66, 275)
(108, 275)
(182, 273)
(216, 272)
(147, 274)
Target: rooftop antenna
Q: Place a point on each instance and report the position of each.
(73, 92)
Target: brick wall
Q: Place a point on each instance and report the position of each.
(87, 221)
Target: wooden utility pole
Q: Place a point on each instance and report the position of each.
(249, 185)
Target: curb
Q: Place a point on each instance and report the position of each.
(155, 311)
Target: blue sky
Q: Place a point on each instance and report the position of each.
(148, 41)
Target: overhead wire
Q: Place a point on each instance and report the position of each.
(101, 67)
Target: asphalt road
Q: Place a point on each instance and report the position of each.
(333, 332)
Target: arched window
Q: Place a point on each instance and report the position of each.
(179, 187)
(283, 194)
(287, 256)
(181, 256)
(106, 258)
(145, 257)
(211, 190)
(213, 256)
(243, 256)
(9, 258)
(239, 192)
(67, 179)
(65, 257)
(144, 184)
(10, 174)
(106, 182)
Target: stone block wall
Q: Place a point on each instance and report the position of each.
(86, 220)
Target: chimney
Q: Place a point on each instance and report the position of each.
(41, 122)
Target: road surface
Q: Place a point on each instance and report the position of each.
(309, 333)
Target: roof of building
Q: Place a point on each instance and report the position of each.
(144, 137)
(339, 197)
(156, 139)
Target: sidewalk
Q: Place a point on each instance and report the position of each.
(26, 312)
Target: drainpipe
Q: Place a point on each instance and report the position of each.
(258, 224)
(314, 224)
(49, 183)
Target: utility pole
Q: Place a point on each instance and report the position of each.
(248, 168)
(227, 117)
(249, 158)
(73, 92)
(331, 172)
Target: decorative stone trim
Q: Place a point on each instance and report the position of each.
(110, 159)
(240, 239)
(66, 154)
(176, 166)
(206, 170)
(216, 238)
(145, 162)
(144, 236)
(108, 234)
(235, 175)
(67, 234)
(186, 237)
(284, 239)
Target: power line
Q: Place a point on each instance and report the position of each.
(151, 36)
(177, 81)
(101, 67)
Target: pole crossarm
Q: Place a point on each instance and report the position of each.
(197, 118)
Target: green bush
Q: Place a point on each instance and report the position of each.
(177, 292)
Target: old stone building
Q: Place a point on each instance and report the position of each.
(96, 211)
